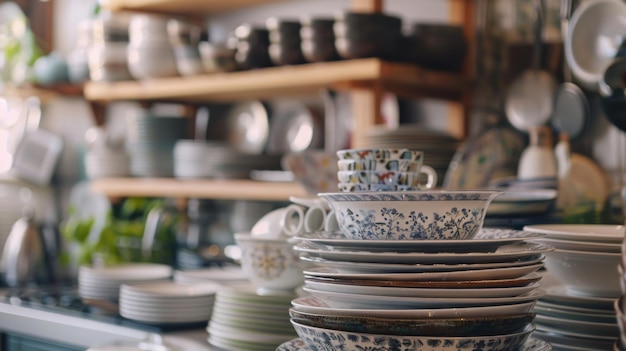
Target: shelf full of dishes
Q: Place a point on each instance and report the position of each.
(116, 55)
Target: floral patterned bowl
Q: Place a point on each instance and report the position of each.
(270, 264)
(411, 215)
(331, 340)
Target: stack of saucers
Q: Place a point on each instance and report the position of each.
(477, 293)
(244, 320)
(167, 302)
(103, 283)
(582, 284)
(150, 141)
(214, 159)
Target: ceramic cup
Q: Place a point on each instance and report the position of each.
(314, 219)
(412, 179)
(381, 155)
(383, 165)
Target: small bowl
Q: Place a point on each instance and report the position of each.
(437, 46)
(328, 339)
(411, 215)
(286, 53)
(472, 326)
(271, 264)
(586, 273)
(217, 57)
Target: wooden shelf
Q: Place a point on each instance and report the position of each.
(182, 7)
(219, 189)
(284, 81)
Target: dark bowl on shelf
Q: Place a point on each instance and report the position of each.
(251, 47)
(283, 54)
(436, 46)
(384, 47)
(379, 20)
(319, 50)
(282, 26)
(317, 28)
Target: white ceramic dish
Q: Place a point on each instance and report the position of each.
(560, 295)
(170, 289)
(360, 300)
(518, 202)
(488, 239)
(581, 327)
(605, 233)
(219, 329)
(572, 343)
(480, 274)
(504, 253)
(127, 272)
(221, 275)
(315, 305)
(578, 335)
(586, 273)
(365, 267)
(585, 246)
(552, 310)
(421, 292)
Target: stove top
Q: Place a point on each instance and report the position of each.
(64, 299)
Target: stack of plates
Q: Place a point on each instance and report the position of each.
(583, 282)
(103, 283)
(243, 320)
(225, 275)
(491, 277)
(167, 302)
(107, 164)
(150, 140)
(438, 148)
(214, 159)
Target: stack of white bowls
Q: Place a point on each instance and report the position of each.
(150, 54)
(582, 284)
(244, 320)
(103, 283)
(167, 302)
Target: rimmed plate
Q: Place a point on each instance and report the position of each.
(560, 295)
(586, 246)
(580, 327)
(509, 252)
(170, 289)
(487, 240)
(421, 292)
(480, 274)
(366, 267)
(127, 272)
(606, 233)
(312, 304)
(572, 342)
(432, 284)
(360, 300)
(531, 345)
(527, 201)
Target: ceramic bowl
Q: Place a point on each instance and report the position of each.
(329, 339)
(271, 264)
(353, 187)
(586, 273)
(382, 165)
(383, 155)
(411, 215)
(379, 177)
(474, 326)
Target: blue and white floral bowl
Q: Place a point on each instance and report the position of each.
(320, 339)
(411, 215)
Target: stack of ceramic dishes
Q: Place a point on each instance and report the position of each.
(167, 302)
(226, 275)
(150, 140)
(620, 304)
(244, 320)
(206, 159)
(375, 293)
(103, 283)
(438, 148)
(582, 285)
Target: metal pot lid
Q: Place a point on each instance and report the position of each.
(571, 110)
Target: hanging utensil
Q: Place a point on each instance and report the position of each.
(529, 102)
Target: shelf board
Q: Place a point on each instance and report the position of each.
(185, 7)
(219, 189)
(283, 81)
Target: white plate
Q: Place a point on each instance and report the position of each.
(170, 289)
(562, 296)
(584, 246)
(311, 304)
(581, 312)
(221, 330)
(359, 300)
(605, 233)
(365, 267)
(168, 318)
(576, 343)
(572, 333)
(528, 201)
(488, 239)
(581, 327)
(421, 292)
(211, 274)
(481, 274)
(127, 272)
(504, 253)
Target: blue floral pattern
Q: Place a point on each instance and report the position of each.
(417, 195)
(318, 339)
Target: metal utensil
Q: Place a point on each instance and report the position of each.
(23, 254)
(529, 102)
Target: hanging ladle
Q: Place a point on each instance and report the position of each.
(529, 102)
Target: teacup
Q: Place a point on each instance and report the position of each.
(354, 187)
(411, 179)
(379, 165)
(381, 154)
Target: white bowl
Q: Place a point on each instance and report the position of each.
(329, 339)
(586, 273)
(411, 215)
(148, 62)
(271, 264)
